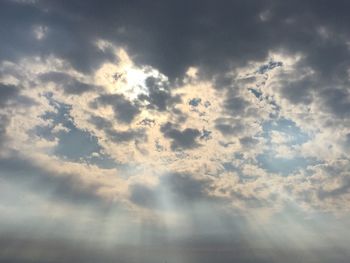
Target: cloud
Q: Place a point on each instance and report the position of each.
(193, 116)
(115, 135)
(59, 39)
(176, 44)
(159, 96)
(61, 187)
(229, 126)
(68, 83)
(185, 139)
(7, 93)
(181, 190)
(3, 125)
(143, 196)
(338, 101)
(124, 110)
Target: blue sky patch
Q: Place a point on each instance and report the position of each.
(74, 144)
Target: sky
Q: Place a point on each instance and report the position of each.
(174, 131)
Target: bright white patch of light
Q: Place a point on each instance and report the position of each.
(125, 78)
(135, 83)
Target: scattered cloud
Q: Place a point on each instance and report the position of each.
(201, 123)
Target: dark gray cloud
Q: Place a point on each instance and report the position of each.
(10, 95)
(125, 136)
(186, 188)
(338, 173)
(159, 94)
(337, 100)
(173, 36)
(116, 135)
(347, 141)
(298, 91)
(182, 189)
(7, 93)
(236, 105)
(3, 125)
(60, 39)
(229, 127)
(60, 187)
(124, 110)
(185, 139)
(100, 122)
(248, 142)
(342, 189)
(144, 196)
(69, 84)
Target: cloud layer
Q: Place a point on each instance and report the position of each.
(217, 126)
